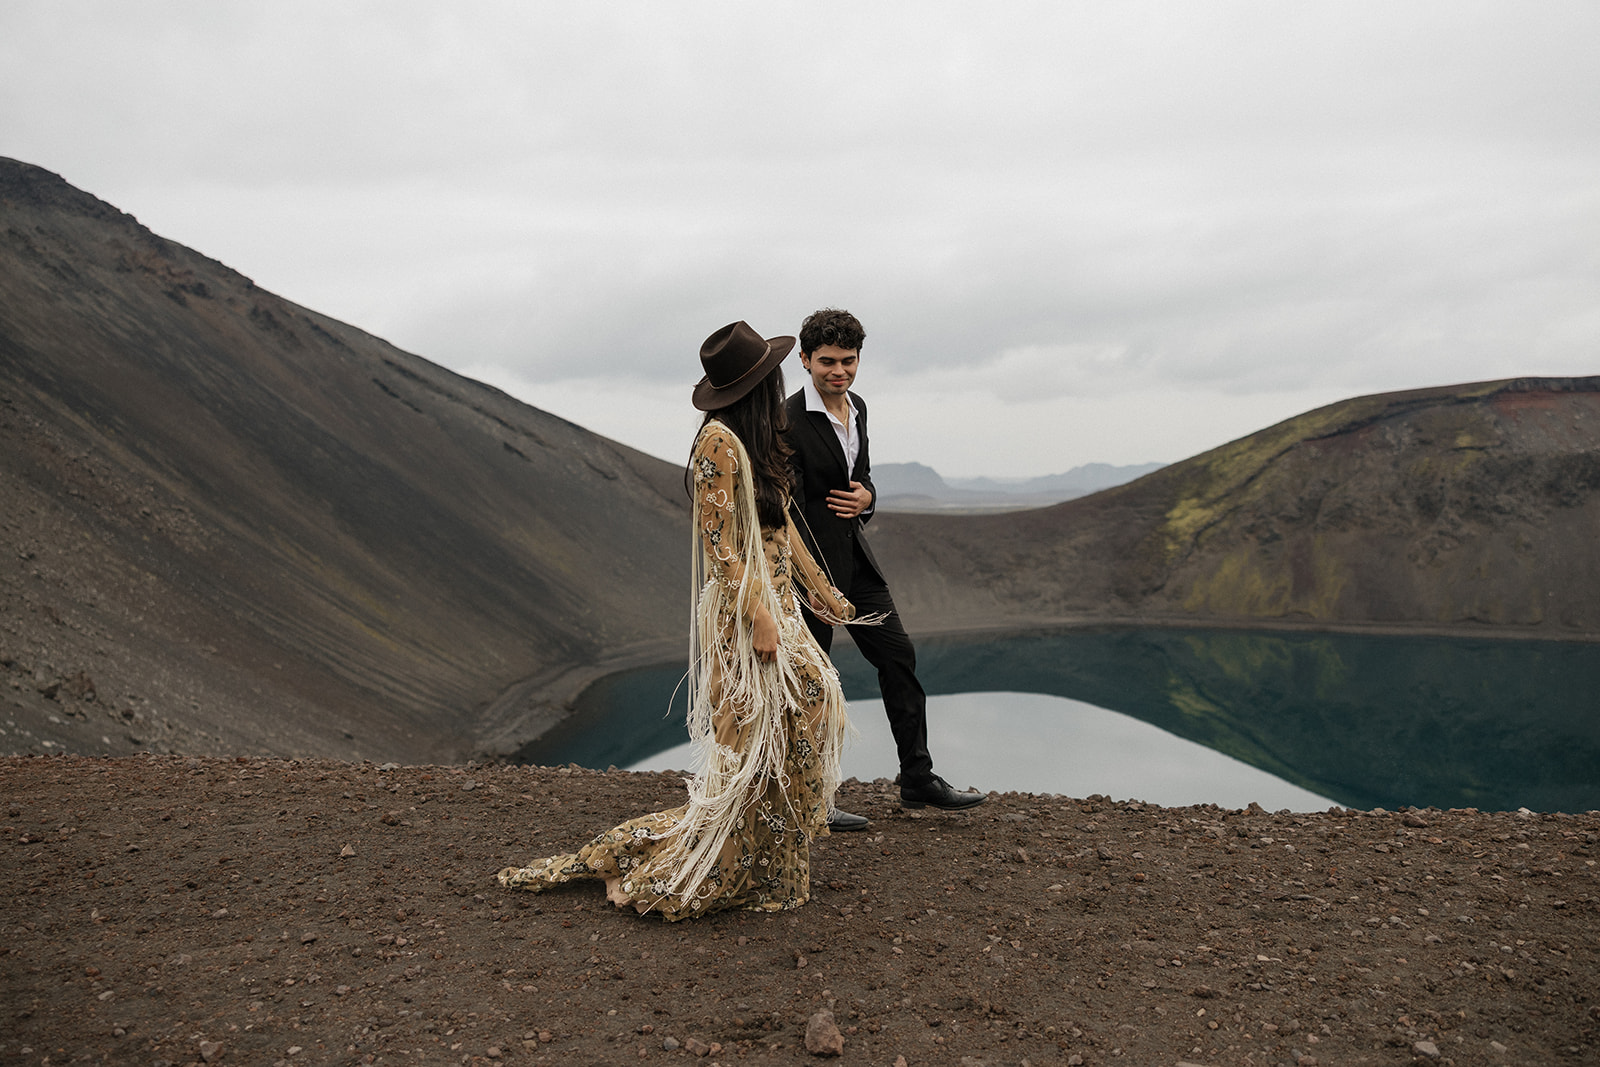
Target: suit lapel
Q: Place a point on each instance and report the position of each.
(824, 435)
(823, 428)
(861, 435)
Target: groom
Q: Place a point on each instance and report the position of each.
(834, 499)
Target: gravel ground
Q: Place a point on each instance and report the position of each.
(257, 911)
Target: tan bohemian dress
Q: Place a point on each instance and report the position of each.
(767, 735)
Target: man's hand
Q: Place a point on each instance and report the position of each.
(848, 503)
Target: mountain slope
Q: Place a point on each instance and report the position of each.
(232, 525)
(251, 527)
(1473, 506)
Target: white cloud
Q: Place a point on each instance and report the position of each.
(1041, 211)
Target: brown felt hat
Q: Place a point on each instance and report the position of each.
(735, 359)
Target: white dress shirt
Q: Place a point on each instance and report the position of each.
(848, 434)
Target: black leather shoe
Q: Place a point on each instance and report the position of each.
(936, 793)
(844, 820)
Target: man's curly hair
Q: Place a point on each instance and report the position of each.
(831, 326)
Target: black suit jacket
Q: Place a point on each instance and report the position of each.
(818, 463)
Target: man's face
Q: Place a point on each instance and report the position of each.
(832, 368)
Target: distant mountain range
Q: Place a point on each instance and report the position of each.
(229, 524)
(915, 487)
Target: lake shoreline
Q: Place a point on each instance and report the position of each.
(568, 712)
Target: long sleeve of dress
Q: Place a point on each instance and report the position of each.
(817, 583)
(716, 470)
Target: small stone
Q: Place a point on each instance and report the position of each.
(1426, 1049)
(210, 1051)
(493, 1052)
(1306, 1061)
(822, 1035)
(1075, 1060)
(1498, 1047)
(670, 1044)
(545, 1037)
(1413, 819)
(307, 938)
(695, 1046)
(220, 913)
(900, 1061)
(347, 852)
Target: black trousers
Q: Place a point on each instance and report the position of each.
(888, 648)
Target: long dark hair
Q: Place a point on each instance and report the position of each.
(758, 420)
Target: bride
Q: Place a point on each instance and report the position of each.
(766, 712)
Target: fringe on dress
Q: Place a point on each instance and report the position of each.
(767, 735)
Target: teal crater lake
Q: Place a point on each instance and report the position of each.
(1295, 720)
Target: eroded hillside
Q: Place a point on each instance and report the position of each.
(235, 525)
(1474, 506)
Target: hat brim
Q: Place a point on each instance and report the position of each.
(708, 397)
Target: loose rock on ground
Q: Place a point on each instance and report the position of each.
(248, 910)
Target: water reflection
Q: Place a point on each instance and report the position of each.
(1034, 743)
(1365, 721)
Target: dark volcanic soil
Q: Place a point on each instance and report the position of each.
(258, 911)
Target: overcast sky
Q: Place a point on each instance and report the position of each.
(1075, 232)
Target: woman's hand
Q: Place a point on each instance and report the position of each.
(764, 635)
(847, 610)
(839, 609)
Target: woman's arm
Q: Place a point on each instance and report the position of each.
(716, 470)
(827, 603)
(716, 483)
